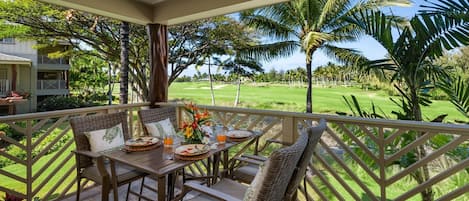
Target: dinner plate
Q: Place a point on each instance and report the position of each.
(192, 149)
(239, 133)
(142, 141)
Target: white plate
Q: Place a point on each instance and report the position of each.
(142, 141)
(192, 149)
(238, 134)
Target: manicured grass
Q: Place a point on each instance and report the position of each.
(282, 97)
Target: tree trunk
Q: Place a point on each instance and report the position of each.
(238, 92)
(109, 83)
(124, 70)
(211, 83)
(423, 173)
(309, 100)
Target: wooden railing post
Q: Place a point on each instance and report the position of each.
(29, 160)
(288, 130)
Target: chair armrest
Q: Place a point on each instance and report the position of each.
(279, 142)
(209, 191)
(99, 160)
(255, 157)
(249, 160)
(87, 153)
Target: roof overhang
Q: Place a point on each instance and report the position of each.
(10, 59)
(167, 12)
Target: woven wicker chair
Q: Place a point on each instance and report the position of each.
(247, 172)
(92, 165)
(158, 114)
(268, 185)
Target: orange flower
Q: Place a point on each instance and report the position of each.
(188, 132)
(198, 116)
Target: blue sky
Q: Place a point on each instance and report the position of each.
(367, 45)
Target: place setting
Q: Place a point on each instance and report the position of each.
(239, 135)
(141, 144)
(192, 152)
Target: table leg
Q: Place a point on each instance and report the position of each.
(216, 167)
(209, 171)
(225, 163)
(114, 180)
(171, 185)
(161, 188)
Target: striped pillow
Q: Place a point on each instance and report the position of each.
(161, 128)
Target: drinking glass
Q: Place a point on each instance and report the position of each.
(168, 140)
(168, 153)
(221, 137)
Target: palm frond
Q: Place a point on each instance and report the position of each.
(449, 8)
(267, 25)
(332, 9)
(270, 51)
(438, 30)
(345, 55)
(458, 91)
(376, 24)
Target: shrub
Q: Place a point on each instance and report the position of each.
(10, 132)
(60, 103)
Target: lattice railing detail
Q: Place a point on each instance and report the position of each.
(354, 159)
(367, 145)
(45, 167)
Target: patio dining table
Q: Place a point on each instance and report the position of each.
(156, 162)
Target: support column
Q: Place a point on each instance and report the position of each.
(14, 74)
(158, 41)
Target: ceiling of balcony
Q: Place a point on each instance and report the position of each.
(162, 11)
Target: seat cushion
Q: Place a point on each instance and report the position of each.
(227, 186)
(246, 173)
(124, 173)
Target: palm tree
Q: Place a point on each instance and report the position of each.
(410, 56)
(311, 25)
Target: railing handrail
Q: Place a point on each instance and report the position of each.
(434, 126)
(44, 59)
(418, 125)
(56, 84)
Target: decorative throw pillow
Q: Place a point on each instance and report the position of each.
(106, 139)
(160, 128)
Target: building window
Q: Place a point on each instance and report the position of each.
(3, 74)
(7, 40)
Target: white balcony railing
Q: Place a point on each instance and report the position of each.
(51, 84)
(43, 59)
(4, 87)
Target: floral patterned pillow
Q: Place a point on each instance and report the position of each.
(161, 128)
(106, 139)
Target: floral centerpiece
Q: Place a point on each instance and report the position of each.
(192, 129)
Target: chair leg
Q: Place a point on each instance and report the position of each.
(128, 191)
(78, 188)
(105, 192)
(141, 189)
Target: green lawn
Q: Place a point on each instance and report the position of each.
(282, 97)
